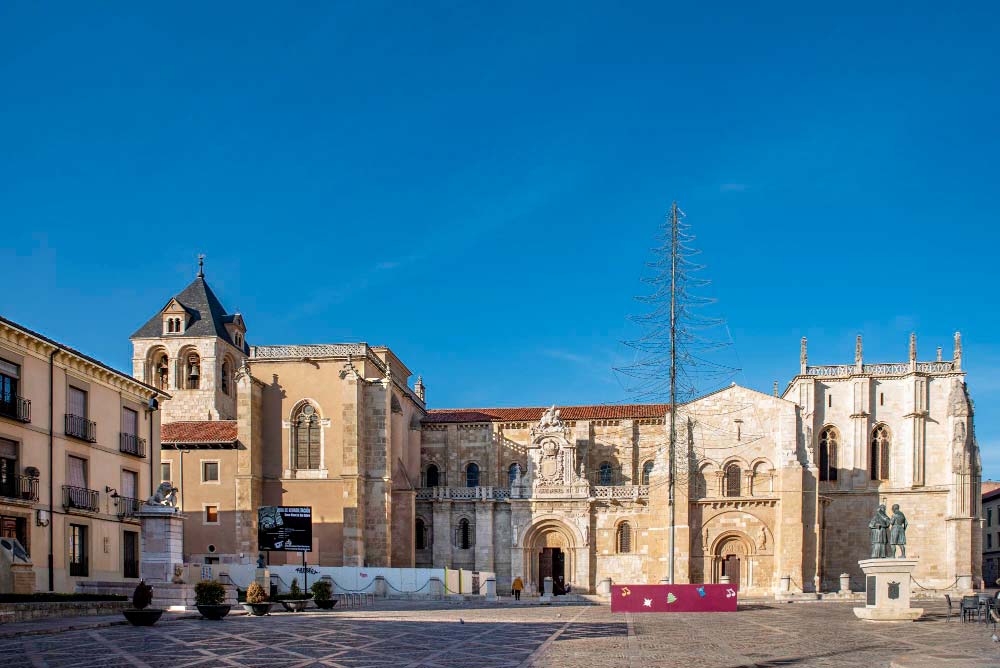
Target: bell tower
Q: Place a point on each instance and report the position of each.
(191, 348)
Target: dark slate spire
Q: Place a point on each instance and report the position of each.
(207, 315)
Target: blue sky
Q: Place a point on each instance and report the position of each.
(477, 186)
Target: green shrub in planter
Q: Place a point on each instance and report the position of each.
(210, 597)
(209, 592)
(323, 594)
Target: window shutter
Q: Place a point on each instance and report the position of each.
(8, 449)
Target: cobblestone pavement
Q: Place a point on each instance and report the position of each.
(493, 636)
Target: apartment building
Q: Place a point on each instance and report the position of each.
(79, 452)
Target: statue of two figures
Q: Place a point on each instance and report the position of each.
(888, 533)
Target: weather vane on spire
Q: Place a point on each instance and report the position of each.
(201, 265)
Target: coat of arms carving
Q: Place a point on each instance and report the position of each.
(893, 590)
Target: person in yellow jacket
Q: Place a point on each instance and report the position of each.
(516, 587)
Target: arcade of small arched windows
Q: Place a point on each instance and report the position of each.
(173, 326)
(732, 479)
(432, 476)
(472, 474)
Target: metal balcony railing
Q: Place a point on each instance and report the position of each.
(81, 427)
(131, 444)
(15, 407)
(81, 498)
(19, 487)
(127, 507)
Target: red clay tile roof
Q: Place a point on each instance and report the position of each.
(202, 431)
(612, 412)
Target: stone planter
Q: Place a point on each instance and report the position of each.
(297, 605)
(258, 609)
(326, 604)
(214, 611)
(144, 617)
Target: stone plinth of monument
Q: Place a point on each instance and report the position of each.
(162, 542)
(887, 591)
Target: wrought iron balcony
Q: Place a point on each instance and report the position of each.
(15, 407)
(131, 444)
(78, 569)
(81, 498)
(19, 487)
(81, 427)
(127, 507)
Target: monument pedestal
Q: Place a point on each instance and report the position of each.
(887, 591)
(162, 542)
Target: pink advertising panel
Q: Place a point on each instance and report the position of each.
(673, 598)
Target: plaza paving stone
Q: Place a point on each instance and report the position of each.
(412, 634)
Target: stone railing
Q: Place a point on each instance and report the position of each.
(309, 350)
(463, 493)
(894, 369)
(620, 491)
(624, 492)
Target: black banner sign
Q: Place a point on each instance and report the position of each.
(284, 528)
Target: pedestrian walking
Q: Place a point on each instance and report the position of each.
(516, 587)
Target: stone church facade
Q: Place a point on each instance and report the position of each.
(772, 493)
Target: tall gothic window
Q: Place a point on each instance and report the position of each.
(604, 474)
(647, 470)
(226, 372)
(828, 440)
(464, 534)
(420, 534)
(881, 440)
(472, 475)
(623, 538)
(306, 438)
(733, 480)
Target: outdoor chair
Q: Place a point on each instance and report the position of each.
(951, 607)
(970, 607)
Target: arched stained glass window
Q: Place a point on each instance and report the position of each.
(306, 438)
(829, 438)
(881, 440)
